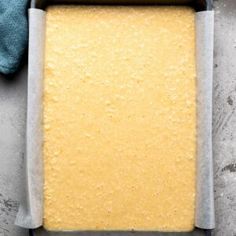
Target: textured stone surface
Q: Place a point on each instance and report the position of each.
(12, 126)
(12, 131)
(224, 123)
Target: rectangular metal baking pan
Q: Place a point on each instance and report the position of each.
(198, 5)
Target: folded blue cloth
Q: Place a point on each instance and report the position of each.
(13, 34)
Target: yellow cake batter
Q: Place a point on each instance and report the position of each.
(119, 118)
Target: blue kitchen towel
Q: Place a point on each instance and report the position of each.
(13, 34)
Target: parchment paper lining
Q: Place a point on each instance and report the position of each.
(205, 216)
(30, 214)
(31, 211)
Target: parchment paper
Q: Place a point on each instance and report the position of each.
(31, 212)
(205, 213)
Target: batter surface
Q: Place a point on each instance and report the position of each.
(119, 118)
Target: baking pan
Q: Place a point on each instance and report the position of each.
(199, 5)
(30, 213)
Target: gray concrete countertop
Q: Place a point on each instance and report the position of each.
(224, 117)
(12, 130)
(12, 136)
